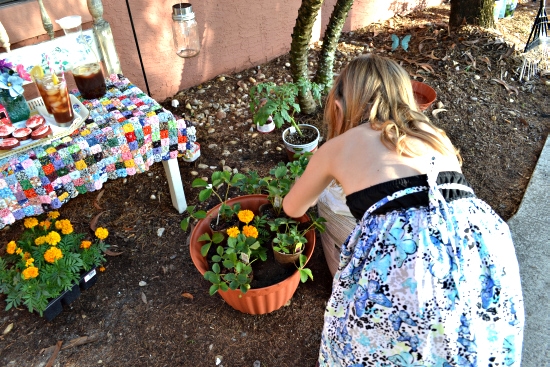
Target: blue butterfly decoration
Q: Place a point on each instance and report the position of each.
(404, 246)
(413, 340)
(403, 317)
(372, 294)
(464, 327)
(510, 349)
(404, 42)
(488, 290)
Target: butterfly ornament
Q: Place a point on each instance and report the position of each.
(404, 42)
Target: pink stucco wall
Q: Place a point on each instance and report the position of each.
(235, 35)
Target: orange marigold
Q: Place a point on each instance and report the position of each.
(65, 226)
(30, 272)
(101, 233)
(54, 214)
(102, 269)
(26, 256)
(245, 216)
(53, 254)
(40, 240)
(250, 231)
(85, 244)
(45, 224)
(233, 232)
(30, 222)
(53, 238)
(11, 247)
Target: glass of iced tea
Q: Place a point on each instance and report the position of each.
(89, 80)
(56, 97)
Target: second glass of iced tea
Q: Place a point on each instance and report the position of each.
(56, 98)
(89, 80)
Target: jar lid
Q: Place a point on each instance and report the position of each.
(72, 21)
(182, 11)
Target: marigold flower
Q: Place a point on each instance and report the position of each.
(11, 247)
(29, 262)
(250, 231)
(245, 216)
(65, 226)
(54, 214)
(53, 238)
(45, 224)
(18, 251)
(40, 240)
(85, 244)
(30, 222)
(53, 254)
(30, 272)
(233, 232)
(102, 269)
(101, 233)
(26, 256)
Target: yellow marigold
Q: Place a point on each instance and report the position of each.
(65, 226)
(29, 262)
(54, 214)
(245, 216)
(102, 269)
(18, 251)
(30, 222)
(40, 240)
(53, 254)
(30, 272)
(101, 233)
(233, 232)
(10, 248)
(53, 238)
(45, 224)
(85, 244)
(250, 231)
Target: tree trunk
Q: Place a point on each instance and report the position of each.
(324, 74)
(301, 36)
(477, 12)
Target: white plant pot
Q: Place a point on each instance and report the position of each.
(292, 149)
(268, 127)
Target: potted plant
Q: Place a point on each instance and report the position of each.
(48, 263)
(225, 217)
(290, 239)
(279, 103)
(253, 300)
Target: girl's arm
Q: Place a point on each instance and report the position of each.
(311, 184)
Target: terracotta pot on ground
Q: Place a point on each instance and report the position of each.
(256, 301)
(301, 148)
(423, 94)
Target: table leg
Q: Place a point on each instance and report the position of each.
(172, 171)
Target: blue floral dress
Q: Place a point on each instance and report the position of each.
(431, 281)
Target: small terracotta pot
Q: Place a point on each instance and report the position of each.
(287, 259)
(256, 301)
(423, 94)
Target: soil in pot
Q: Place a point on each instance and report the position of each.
(269, 272)
(308, 135)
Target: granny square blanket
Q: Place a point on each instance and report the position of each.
(126, 132)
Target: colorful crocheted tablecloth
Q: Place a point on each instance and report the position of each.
(126, 132)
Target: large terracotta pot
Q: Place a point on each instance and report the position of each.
(255, 301)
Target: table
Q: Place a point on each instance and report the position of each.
(126, 132)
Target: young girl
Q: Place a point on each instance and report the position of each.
(429, 275)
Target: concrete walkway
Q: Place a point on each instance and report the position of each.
(530, 228)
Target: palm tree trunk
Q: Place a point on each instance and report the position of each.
(301, 36)
(478, 12)
(324, 74)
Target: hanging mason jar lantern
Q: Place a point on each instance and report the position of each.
(185, 32)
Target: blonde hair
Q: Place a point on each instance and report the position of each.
(378, 90)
